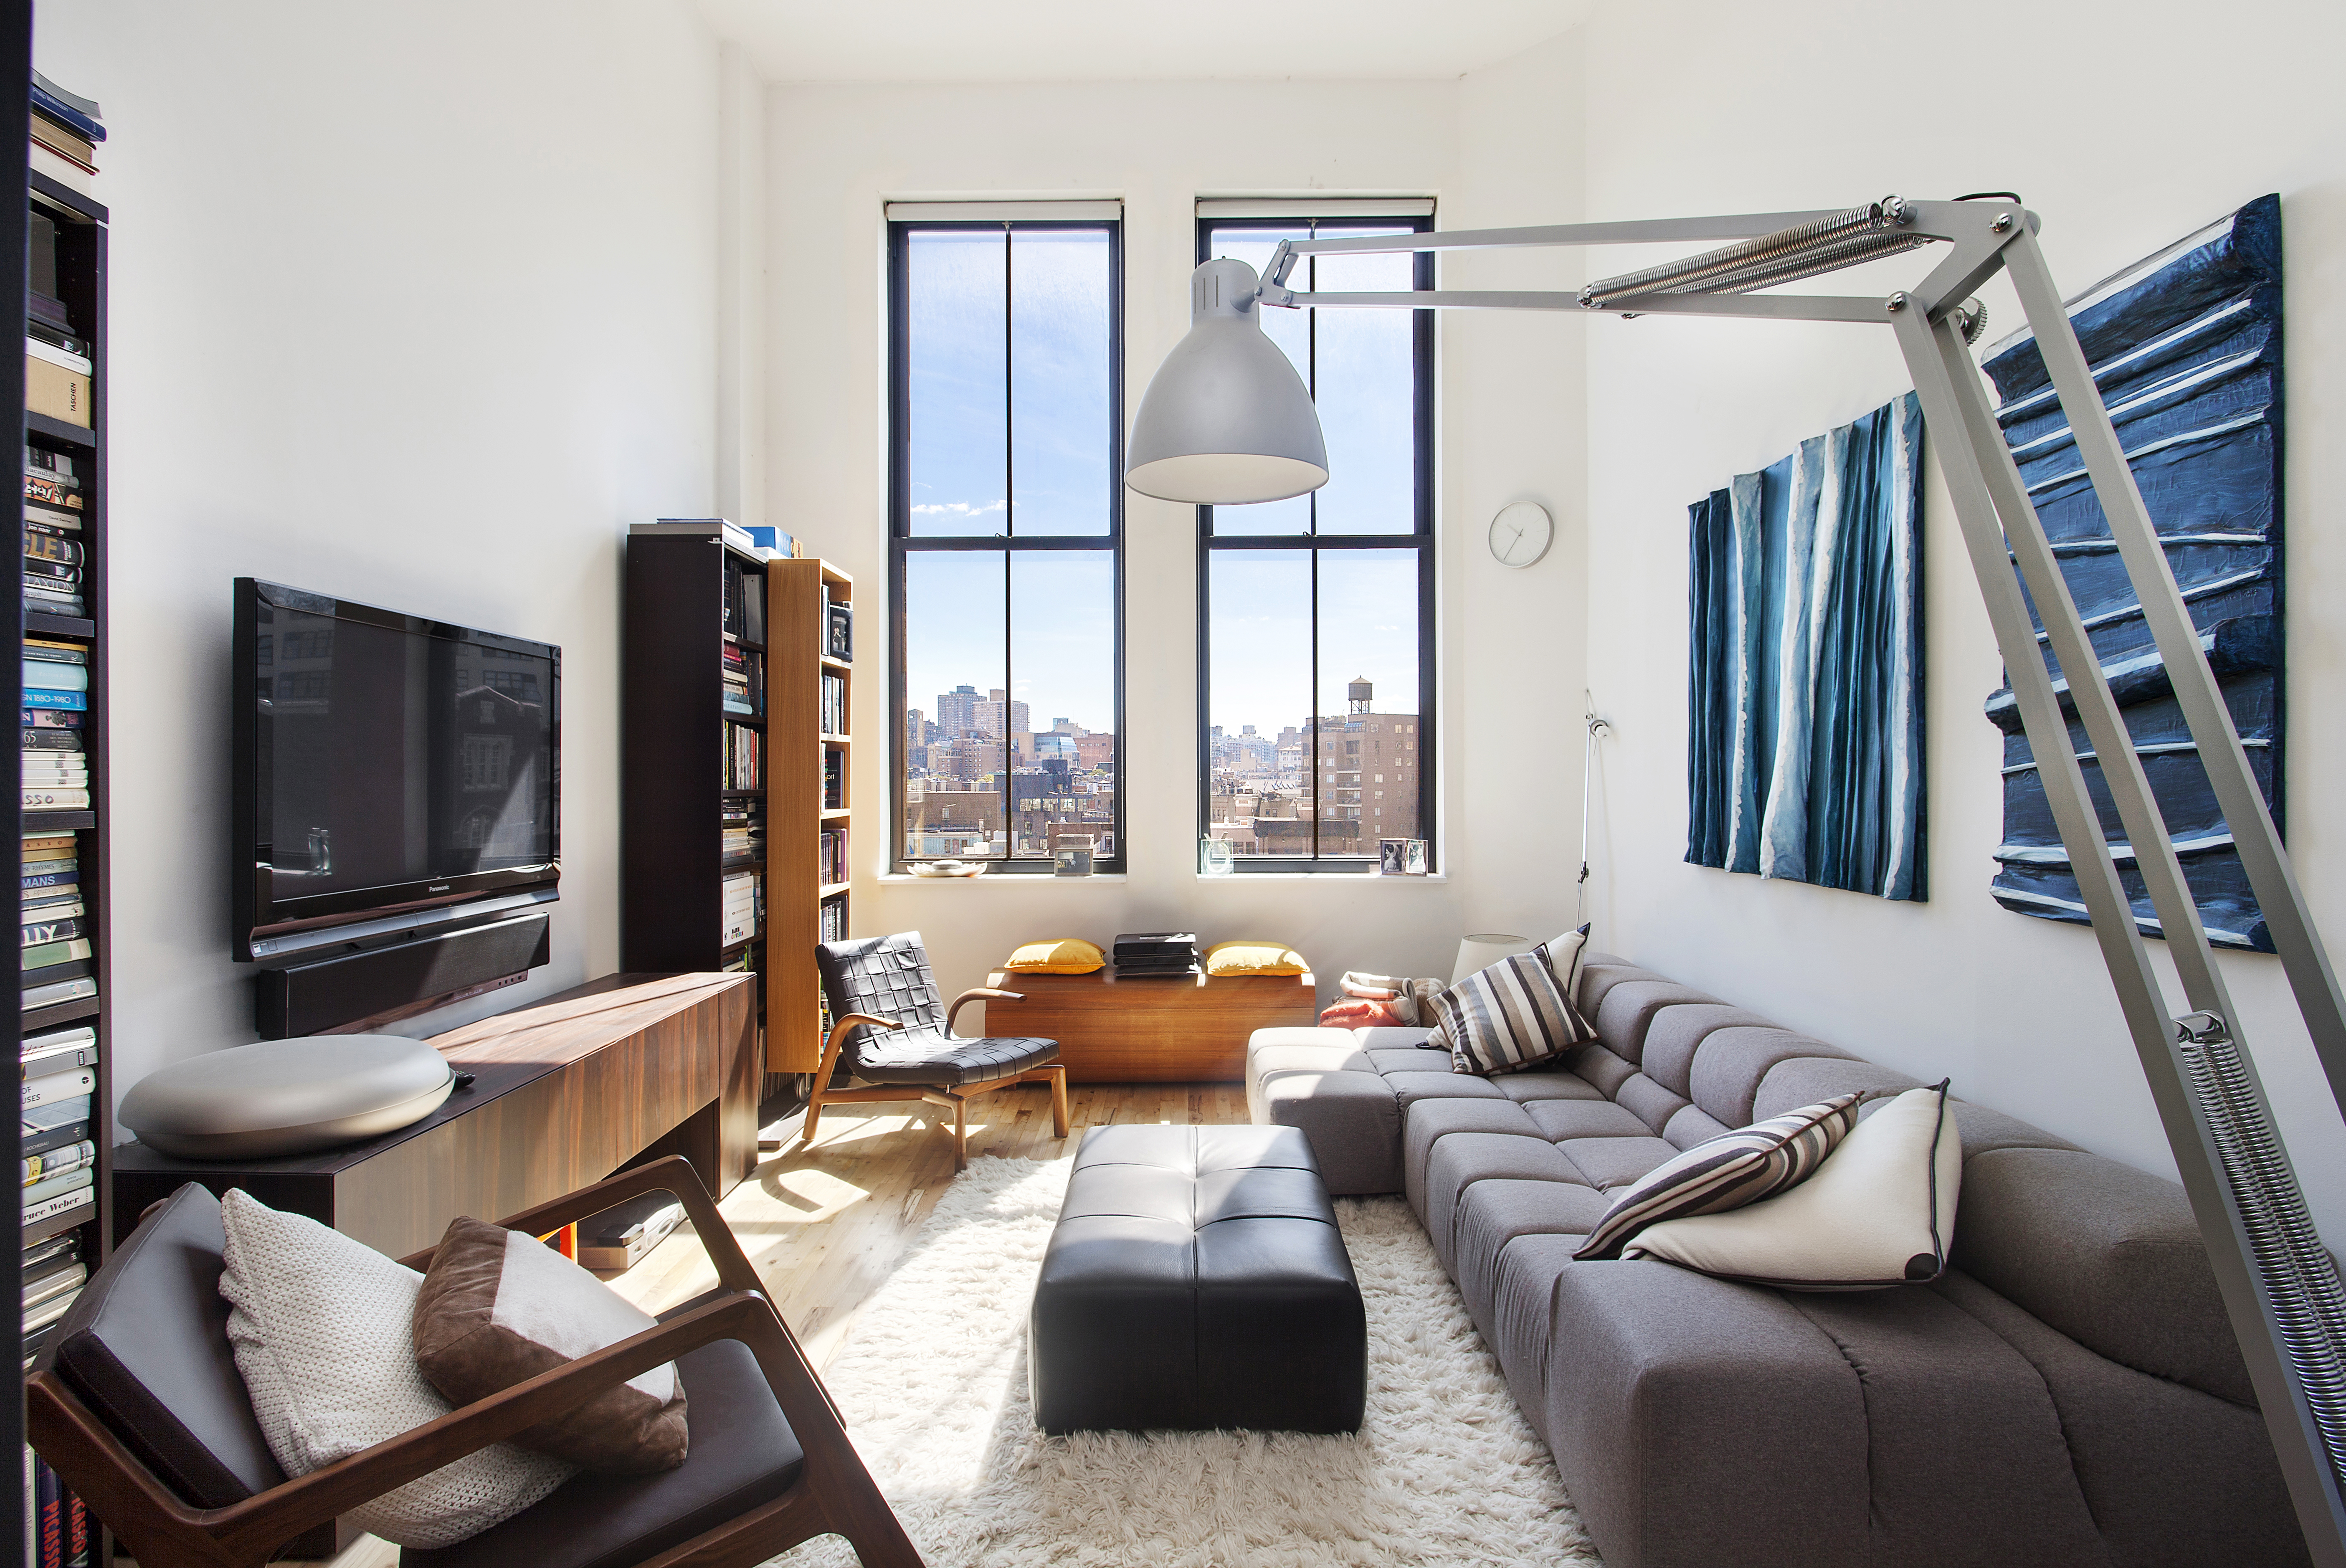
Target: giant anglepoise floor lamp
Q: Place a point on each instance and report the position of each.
(1226, 420)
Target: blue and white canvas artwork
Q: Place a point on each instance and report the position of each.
(2186, 349)
(1804, 672)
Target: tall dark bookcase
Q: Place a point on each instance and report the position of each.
(691, 599)
(683, 583)
(81, 237)
(79, 226)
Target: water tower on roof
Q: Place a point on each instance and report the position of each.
(1361, 693)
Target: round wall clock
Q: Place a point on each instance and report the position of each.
(1521, 534)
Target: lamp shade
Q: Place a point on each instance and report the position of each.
(1482, 949)
(1226, 420)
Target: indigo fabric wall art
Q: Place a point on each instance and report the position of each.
(2186, 347)
(1804, 670)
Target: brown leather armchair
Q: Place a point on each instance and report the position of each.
(139, 1406)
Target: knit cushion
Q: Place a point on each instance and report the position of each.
(320, 1324)
(499, 1306)
(1255, 957)
(1059, 956)
(1508, 1017)
(1877, 1213)
(1727, 1172)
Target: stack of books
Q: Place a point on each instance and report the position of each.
(834, 780)
(745, 766)
(56, 928)
(744, 681)
(742, 833)
(1155, 954)
(834, 929)
(56, 945)
(834, 704)
(745, 907)
(55, 767)
(53, 549)
(67, 130)
(59, 1157)
(831, 859)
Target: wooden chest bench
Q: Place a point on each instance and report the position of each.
(1192, 1030)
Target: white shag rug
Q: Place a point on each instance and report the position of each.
(933, 1381)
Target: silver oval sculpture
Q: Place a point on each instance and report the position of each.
(287, 1096)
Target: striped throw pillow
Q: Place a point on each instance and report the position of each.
(1727, 1172)
(1508, 1017)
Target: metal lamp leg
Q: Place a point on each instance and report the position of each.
(1992, 506)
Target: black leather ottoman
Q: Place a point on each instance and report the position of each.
(1197, 1280)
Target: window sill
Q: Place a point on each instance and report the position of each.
(1014, 878)
(1242, 878)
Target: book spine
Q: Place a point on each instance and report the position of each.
(57, 392)
(50, 1508)
(41, 1167)
(45, 800)
(63, 1203)
(52, 1087)
(49, 953)
(81, 124)
(62, 1185)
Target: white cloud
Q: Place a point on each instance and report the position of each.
(959, 509)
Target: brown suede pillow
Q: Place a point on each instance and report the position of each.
(499, 1306)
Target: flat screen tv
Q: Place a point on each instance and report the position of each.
(387, 766)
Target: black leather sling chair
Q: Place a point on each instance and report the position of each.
(139, 1406)
(897, 1036)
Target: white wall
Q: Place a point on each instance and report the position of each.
(1512, 431)
(412, 304)
(2125, 135)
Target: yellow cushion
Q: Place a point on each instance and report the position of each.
(1254, 957)
(1066, 955)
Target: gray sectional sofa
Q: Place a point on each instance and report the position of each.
(2069, 1393)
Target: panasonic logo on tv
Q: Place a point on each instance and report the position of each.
(439, 887)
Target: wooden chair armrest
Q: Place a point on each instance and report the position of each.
(978, 993)
(674, 1174)
(284, 1511)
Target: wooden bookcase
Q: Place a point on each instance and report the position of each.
(807, 761)
(674, 732)
(81, 255)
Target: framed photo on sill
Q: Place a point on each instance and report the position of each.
(1392, 857)
(1419, 862)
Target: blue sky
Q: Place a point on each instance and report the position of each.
(1024, 450)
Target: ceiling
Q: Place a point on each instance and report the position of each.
(1124, 40)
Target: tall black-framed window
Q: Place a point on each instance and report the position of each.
(1005, 573)
(1316, 615)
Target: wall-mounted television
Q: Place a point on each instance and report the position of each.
(395, 776)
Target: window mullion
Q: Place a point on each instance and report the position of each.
(1009, 561)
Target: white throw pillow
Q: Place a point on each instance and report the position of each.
(1563, 955)
(1880, 1211)
(320, 1324)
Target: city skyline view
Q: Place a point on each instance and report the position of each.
(1009, 574)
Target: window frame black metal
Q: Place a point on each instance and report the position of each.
(1420, 539)
(902, 542)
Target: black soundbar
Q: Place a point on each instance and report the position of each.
(313, 997)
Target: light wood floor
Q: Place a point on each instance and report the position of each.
(825, 1223)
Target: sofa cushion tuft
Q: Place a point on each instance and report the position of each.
(2108, 1255)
